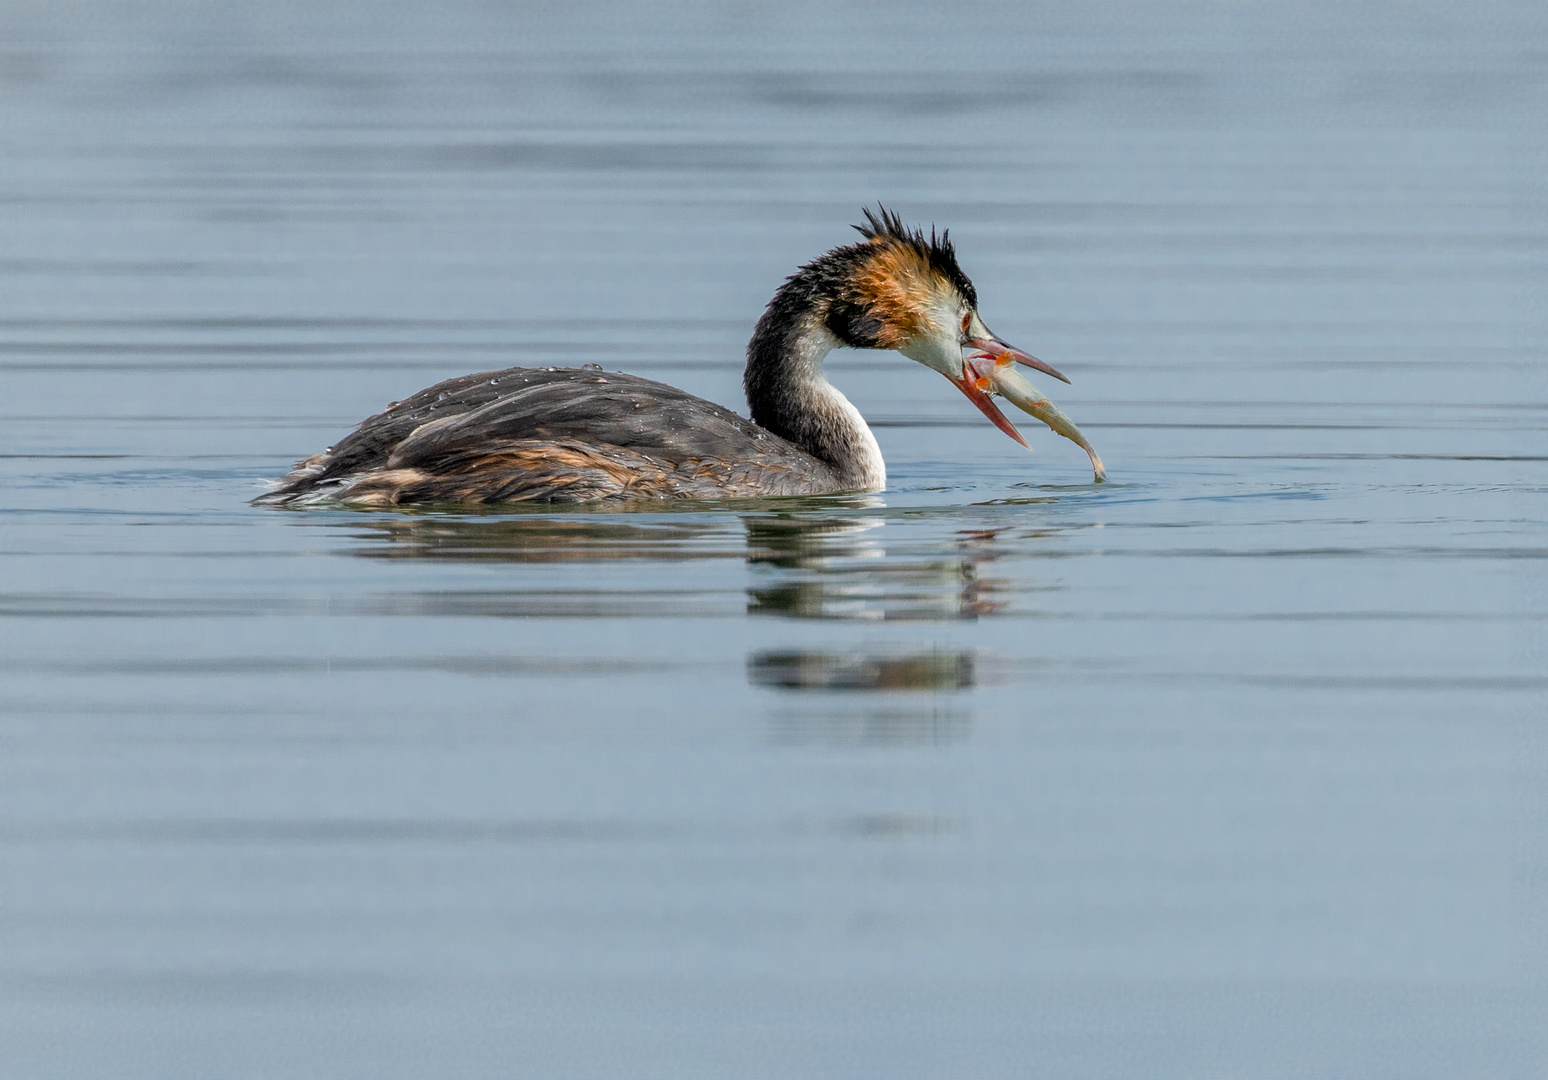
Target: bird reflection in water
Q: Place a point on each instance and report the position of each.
(813, 564)
(827, 561)
(543, 538)
(838, 568)
(876, 697)
(801, 670)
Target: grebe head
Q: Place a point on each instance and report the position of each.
(899, 290)
(905, 291)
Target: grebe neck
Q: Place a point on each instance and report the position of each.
(788, 394)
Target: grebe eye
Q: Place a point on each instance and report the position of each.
(966, 320)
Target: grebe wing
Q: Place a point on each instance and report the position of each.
(613, 410)
(557, 434)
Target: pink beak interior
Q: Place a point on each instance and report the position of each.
(976, 390)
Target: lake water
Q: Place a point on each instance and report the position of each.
(1234, 766)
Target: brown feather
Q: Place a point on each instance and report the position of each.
(896, 285)
(553, 435)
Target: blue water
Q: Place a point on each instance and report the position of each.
(1233, 766)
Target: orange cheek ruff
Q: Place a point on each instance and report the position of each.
(896, 286)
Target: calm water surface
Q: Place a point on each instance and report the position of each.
(1234, 766)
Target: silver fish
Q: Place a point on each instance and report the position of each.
(1000, 377)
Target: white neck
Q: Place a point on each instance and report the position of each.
(867, 460)
(790, 395)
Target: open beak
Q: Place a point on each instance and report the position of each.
(993, 347)
(985, 376)
(976, 388)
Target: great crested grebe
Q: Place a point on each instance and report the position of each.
(581, 435)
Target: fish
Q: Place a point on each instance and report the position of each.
(998, 377)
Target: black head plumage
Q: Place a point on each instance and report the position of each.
(938, 251)
(847, 289)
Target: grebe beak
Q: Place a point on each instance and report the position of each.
(984, 376)
(991, 346)
(976, 388)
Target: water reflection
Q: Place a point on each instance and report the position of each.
(815, 670)
(898, 715)
(883, 725)
(539, 539)
(810, 564)
(838, 568)
(806, 561)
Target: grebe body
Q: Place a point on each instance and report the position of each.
(559, 435)
(582, 434)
